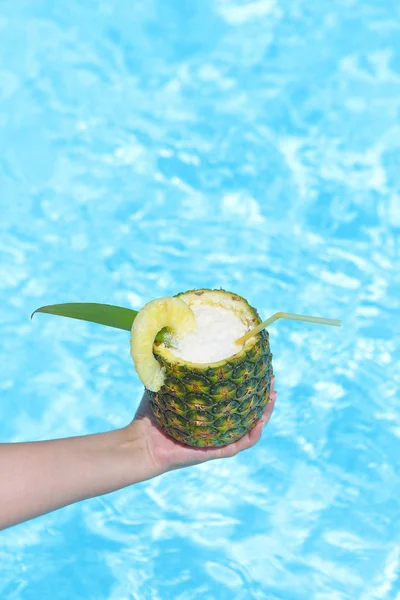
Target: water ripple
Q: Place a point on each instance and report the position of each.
(248, 144)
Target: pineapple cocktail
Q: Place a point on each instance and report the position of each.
(203, 357)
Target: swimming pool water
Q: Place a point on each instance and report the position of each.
(152, 147)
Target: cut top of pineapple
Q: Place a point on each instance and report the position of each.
(222, 317)
(209, 339)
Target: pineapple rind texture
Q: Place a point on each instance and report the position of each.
(214, 404)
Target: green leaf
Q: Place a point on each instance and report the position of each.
(104, 314)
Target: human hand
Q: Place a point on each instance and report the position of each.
(59, 472)
(165, 454)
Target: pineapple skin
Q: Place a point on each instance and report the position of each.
(204, 405)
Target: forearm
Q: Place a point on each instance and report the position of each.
(39, 477)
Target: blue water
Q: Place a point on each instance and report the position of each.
(152, 147)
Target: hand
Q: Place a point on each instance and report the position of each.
(165, 454)
(37, 477)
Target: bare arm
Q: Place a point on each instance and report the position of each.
(38, 477)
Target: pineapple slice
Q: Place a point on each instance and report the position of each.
(172, 313)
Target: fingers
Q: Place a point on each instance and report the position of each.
(254, 436)
(251, 438)
(248, 441)
(269, 408)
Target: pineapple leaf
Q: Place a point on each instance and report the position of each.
(104, 314)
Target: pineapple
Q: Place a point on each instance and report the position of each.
(209, 402)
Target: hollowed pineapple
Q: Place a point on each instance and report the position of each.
(201, 403)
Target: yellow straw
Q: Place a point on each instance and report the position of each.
(291, 317)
